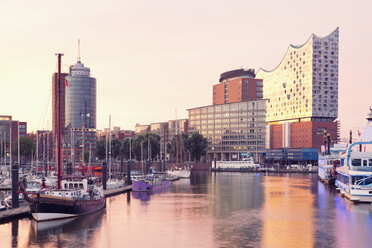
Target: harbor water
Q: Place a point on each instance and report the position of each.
(211, 210)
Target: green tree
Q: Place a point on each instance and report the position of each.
(149, 141)
(124, 149)
(27, 148)
(115, 148)
(101, 149)
(171, 146)
(197, 146)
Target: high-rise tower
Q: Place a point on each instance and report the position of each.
(302, 94)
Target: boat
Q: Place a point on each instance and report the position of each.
(151, 183)
(179, 173)
(329, 162)
(248, 163)
(354, 178)
(73, 196)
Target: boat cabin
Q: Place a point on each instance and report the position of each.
(361, 161)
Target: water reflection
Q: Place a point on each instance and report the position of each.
(211, 210)
(288, 213)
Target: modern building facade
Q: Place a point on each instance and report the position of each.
(237, 86)
(80, 105)
(302, 94)
(233, 130)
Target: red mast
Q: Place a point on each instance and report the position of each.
(59, 93)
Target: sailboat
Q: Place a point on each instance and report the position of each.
(74, 195)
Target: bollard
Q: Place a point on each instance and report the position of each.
(129, 179)
(15, 199)
(104, 175)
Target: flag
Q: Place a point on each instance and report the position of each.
(67, 84)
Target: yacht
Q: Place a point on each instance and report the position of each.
(354, 179)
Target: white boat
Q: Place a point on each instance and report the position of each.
(248, 163)
(179, 173)
(354, 179)
(328, 163)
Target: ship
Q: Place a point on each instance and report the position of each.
(74, 195)
(354, 178)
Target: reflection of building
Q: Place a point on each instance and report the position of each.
(288, 212)
(237, 86)
(302, 94)
(233, 130)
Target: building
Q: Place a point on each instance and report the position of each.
(161, 129)
(233, 130)
(5, 135)
(302, 94)
(116, 133)
(142, 129)
(176, 127)
(237, 86)
(80, 107)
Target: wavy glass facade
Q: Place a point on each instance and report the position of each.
(302, 94)
(304, 86)
(80, 99)
(233, 130)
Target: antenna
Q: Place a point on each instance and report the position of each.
(78, 58)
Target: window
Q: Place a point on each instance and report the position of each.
(356, 162)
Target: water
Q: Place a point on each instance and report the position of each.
(212, 210)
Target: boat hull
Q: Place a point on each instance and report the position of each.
(46, 208)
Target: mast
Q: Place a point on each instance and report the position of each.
(83, 138)
(10, 150)
(110, 165)
(59, 167)
(37, 149)
(19, 153)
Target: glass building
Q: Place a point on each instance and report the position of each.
(80, 98)
(302, 94)
(233, 130)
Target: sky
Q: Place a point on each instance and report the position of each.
(153, 60)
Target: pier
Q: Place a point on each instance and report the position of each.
(24, 211)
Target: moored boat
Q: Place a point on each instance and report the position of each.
(151, 184)
(354, 179)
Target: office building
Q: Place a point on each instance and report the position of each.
(233, 130)
(237, 86)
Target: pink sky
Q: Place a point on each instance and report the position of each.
(152, 57)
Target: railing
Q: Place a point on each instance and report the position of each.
(361, 168)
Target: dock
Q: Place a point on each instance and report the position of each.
(112, 192)
(24, 211)
(13, 213)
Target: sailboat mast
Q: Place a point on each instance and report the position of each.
(59, 172)
(19, 153)
(110, 165)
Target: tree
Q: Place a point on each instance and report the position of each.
(149, 140)
(115, 148)
(124, 149)
(101, 149)
(171, 146)
(197, 146)
(27, 147)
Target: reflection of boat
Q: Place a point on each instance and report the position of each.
(354, 179)
(143, 196)
(51, 224)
